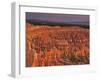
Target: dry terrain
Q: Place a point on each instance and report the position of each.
(56, 45)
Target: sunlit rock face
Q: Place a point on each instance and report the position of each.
(55, 45)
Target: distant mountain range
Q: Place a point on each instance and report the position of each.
(54, 23)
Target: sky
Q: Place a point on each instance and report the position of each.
(62, 18)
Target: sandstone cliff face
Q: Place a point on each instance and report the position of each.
(52, 46)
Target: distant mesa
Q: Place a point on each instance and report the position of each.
(54, 23)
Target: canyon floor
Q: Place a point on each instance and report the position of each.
(56, 46)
